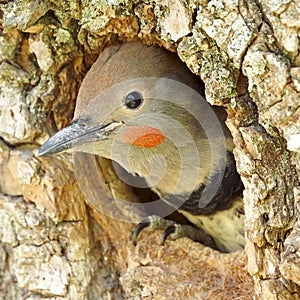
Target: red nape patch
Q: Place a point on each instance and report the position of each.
(142, 136)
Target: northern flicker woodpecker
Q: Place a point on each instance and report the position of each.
(141, 107)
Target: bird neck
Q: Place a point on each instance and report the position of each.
(170, 169)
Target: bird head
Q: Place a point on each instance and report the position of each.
(141, 107)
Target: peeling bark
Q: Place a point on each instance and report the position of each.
(55, 246)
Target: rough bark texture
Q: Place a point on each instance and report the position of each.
(52, 244)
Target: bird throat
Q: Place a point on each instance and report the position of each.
(142, 136)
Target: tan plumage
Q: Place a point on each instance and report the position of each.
(173, 138)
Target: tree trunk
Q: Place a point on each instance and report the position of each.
(56, 242)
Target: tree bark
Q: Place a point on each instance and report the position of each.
(55, 242)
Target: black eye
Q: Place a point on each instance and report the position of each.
(133, 100)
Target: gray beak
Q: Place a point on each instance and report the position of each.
(76, 134)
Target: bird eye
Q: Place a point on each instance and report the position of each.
(133, 100)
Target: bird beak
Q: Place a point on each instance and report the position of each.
(76, 134)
